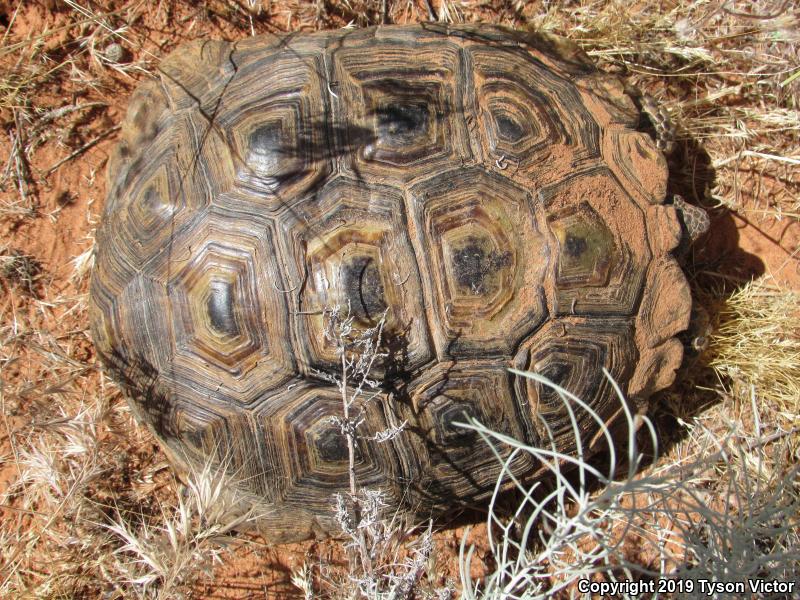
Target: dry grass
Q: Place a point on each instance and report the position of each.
(90, 508)
(19, 271)
(160, 555)
(92, 511)
(724, 507)
(756, 345)
(721, 69)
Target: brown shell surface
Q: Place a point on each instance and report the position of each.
(489, 188)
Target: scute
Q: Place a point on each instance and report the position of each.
(161, 197)
(532, 116)
(353, 237)
(275, 119)
(485, 189)
(399, 110)
(458, 464)
(587, 248)
(486, 261)
(573, 354)
(603, 245)
(213, 291)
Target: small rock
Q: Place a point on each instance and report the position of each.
(115, 53)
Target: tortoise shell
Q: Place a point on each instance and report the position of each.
(488, 189)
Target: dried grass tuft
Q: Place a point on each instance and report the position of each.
(756, 342)
(19, 270)
(161, 555)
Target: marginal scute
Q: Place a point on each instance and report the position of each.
(559, 53)
(483, 189)
(656, 369)
(147, 112)
(605, 97)
(113, 270)
(155, 203)
(147, 115)
(104, 319)
(162, 195)
(666, 304)
(146, 319)
(241, 442)
(197, 75)
(663, 229)
(637, 163)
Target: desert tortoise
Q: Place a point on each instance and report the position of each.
(489, 190)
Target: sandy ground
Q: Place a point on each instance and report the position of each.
(53, 219)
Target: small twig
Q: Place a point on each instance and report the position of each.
(351, 467)
(351, 451)
(764, 441)
(10, 162)
(327, 81)
(767, 17)
(81, 150)
(57, 113)
(20, 163)
(372, 355)
(289, 291)
(790, 78)
(400, 283)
